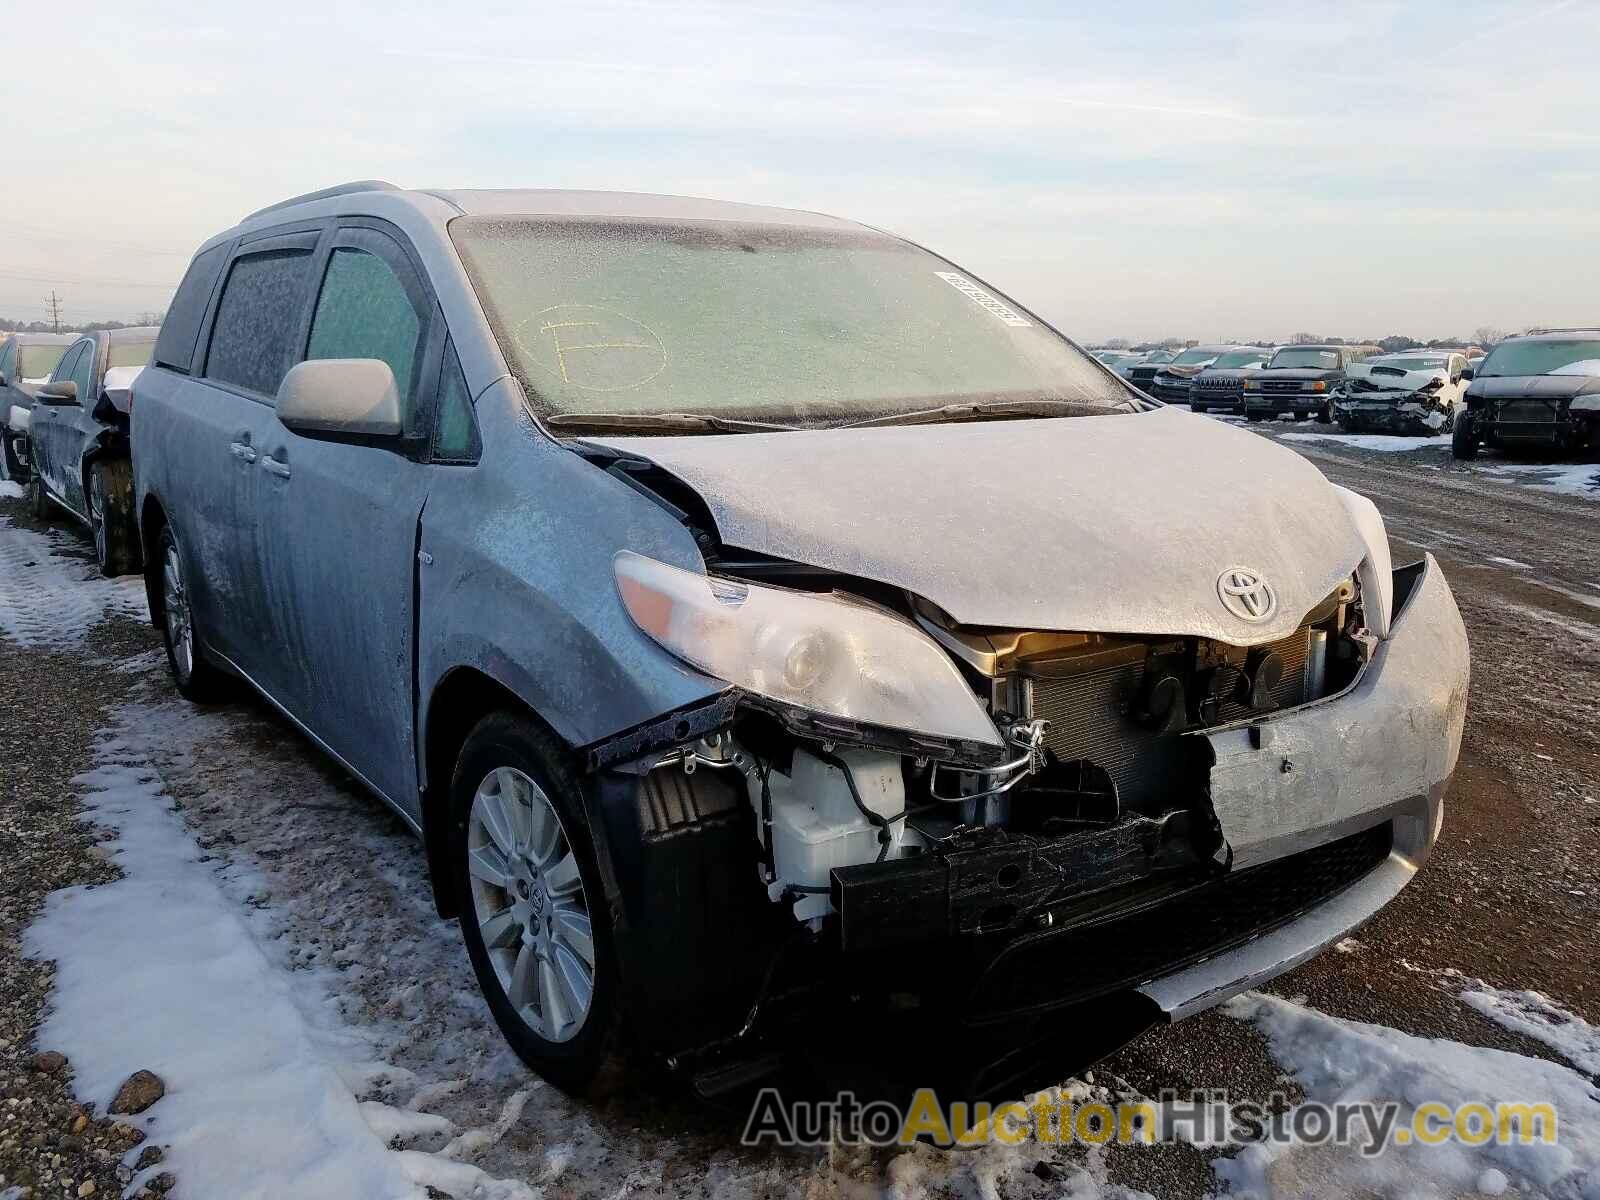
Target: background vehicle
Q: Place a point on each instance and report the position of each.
(1537, 392)
(78, 441)
(26, 360)
(1301, 380)
(1171, 383)
(1414, 391)
(1221, 383)
(1141, 371)
(697, 717)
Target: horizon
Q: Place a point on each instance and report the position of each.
(1140, 175)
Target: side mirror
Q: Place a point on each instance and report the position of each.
(1467, 373)
(62, 392)
(341, 400)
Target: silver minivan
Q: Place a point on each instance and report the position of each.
(770, 627)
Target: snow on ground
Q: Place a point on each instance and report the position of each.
(50, 598)
(1564, 479)
(1338, 1060)
(1385, 443)
(1537, 1016)
(10, 489)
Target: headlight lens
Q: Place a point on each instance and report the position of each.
(825, 654)
(1252, 385)
(1318, 386)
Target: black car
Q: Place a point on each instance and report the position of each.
(1171, 383)
(78, 441)
(1538, 392)
(26, 360)
(1302, 380)
(1221, 383)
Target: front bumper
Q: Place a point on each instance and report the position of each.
(1407, 413)
(1299, 403)
(1229, 398)
(1171, 393)
(1383, 751)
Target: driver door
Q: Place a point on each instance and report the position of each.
(53, 431)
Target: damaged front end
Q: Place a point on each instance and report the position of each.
(1381, 403)
(978, 828)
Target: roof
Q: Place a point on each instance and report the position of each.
(531, 202)
(40, 339)
(1554, 335)
(133, 333)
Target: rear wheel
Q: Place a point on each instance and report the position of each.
(38, 498)
(110, 503)
(1464, 438)
(196, 679)
(532, 906)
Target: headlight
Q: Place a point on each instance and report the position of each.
(1433, 385)
(1252, 385)
(825, 654)
(1376, 572)
(1318, 386)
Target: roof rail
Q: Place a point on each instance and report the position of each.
(1562, 329)
(343, 189)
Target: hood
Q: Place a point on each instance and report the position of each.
(1188, 371)
(1397, 379)
(1114, 524)
(1539, 387)
(1301, 373)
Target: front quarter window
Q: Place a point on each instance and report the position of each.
(757, 322)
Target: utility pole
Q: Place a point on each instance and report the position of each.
(55, 311)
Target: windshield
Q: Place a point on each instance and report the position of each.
(1302, 356)
(1190, 357)
(755, 322)
(38, 361)
(129, 354)
(1237, 358)
(1536, 358)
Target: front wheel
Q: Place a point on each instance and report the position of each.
(532, 906)
(1325, 413)
(1464, 438)
(110, 496)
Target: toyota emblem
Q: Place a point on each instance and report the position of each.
(1246, 595)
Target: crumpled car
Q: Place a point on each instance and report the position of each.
(779, 638)
(26, 360)
(1539, 393)
(1412, 392)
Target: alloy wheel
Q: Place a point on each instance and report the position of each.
(179, 618)
(529, 902)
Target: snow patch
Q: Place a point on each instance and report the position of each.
(1386, 443)
(1562, 479)
(1338, 1060)
(1510, 562)
(10, 489)
(1535, 1015)
(50, 598)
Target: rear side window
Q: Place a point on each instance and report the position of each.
(256, 317)
(69, 360)
(181, 328)
(8, 357)
(82, 370)
(364, 311)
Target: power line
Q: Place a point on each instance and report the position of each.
(87, 282)
(55, 311)
(63, 235)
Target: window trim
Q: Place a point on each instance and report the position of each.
(294, 237)
(449, 360)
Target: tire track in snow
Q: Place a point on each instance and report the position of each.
(49, 597)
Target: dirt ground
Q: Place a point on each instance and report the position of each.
(1511, 895)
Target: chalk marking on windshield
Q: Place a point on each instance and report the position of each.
(984, 300)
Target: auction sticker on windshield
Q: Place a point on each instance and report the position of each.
(983, 299)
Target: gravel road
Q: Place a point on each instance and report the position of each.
(1511, 897)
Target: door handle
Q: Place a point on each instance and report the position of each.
(242, 451)
(276, 467)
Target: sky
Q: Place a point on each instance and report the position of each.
(1125, 169)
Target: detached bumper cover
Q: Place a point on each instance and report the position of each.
(1383, 751)
(1404, 414)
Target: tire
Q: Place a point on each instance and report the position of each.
(1254, 416)
(38, 498)
(1196, 407)
(1325, 413)
(508, 758)
(196, 679)
(109, 497)
(1464, 437)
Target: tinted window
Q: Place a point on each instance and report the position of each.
(181, 328)
(128, 354)
(1574, 357)
(457, 439)
(69, 360)
(250, 340)
(365, 312)
(82, 369)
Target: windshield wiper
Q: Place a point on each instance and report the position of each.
(664, 421)
(984, 409)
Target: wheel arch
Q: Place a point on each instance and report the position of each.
(152, 518)
(461, 698)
